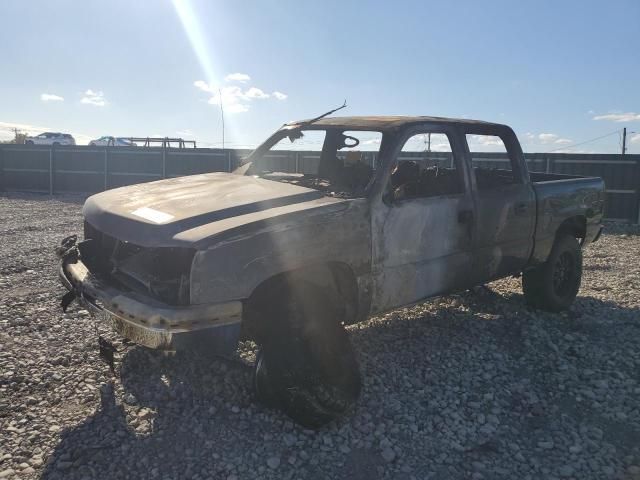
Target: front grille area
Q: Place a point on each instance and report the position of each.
(161, 272)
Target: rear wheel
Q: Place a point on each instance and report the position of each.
(554, 285)
(307, 366)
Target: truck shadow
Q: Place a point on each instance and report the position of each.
(160, 411)
(189, 415)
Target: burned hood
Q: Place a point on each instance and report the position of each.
(191, 211)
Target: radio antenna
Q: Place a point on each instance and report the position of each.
(222, 116)
(319, 117)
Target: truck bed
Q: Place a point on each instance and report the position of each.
(560, 197)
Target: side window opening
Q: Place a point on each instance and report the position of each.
(426, 167)
(491, 161)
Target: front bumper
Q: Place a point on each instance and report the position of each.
(147, 322)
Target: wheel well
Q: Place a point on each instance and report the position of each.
(335, 276)
(575, 226)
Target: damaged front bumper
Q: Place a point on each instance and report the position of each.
(148, 322)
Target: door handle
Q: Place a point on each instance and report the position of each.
(520, 208)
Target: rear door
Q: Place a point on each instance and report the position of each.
(505, 209)
(422, 226)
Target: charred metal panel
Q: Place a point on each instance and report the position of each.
(184, 211)
(235, 266)
(420, 249)
(557, 202)
(504, 230)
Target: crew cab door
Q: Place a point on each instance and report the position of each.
(504, 200)
(422, 224)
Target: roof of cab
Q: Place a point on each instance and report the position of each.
(390, 122)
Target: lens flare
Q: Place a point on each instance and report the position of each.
(196, 38)
(198, 42)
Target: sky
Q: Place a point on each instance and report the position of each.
(559, 73)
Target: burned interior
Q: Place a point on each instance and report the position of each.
(342, 169)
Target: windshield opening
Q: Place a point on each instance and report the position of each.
(335, 161)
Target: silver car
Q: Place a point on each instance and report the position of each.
(51, 138)
(108, 141)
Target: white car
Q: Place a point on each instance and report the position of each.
(108, 141)
(51, 138)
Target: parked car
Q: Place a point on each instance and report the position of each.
(50, 138)
(109, 141)
(287, 259)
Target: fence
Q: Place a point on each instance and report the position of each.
(92, 169)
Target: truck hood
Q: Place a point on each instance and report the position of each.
(191, 211)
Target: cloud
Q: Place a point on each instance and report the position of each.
(619, 117)
(50, 97)
(552, 138)
(227, 96)
(94, 98)
(538, 142)
(237, 108)
(237, 77)
(235, 98)
(202, 85)
(547, 137)
(487, 140)
(234, 94)
(572, 150)
(636, 139)
(254, 92)
(184, 133)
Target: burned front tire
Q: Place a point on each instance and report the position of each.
(307, 366)
(553, 286)
(262, 384)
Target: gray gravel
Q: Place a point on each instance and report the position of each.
(467, 386)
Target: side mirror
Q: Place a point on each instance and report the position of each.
(347, 141)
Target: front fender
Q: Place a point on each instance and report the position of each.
(232, 269)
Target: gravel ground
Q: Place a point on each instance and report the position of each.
(467, 386)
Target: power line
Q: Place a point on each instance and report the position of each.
(586, 141)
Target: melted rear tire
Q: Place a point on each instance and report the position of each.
(553, 286)
(307, 366)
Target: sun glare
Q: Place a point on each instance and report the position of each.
(195, 35)
(198, 41)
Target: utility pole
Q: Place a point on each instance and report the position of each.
(624, 140)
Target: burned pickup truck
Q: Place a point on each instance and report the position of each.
(293, 245)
